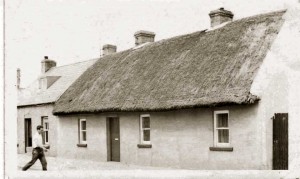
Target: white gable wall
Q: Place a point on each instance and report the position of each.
(277, 84)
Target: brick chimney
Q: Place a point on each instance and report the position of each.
(108, 49)
(47, 64)
(18, 78)
(143, 36)
(220, 16)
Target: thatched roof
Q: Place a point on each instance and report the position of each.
(67, 74)
(205, 68)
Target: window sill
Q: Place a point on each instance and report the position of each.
(226, 149)
(81, 145)
(144, 145)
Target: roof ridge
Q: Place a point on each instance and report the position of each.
(75, 63)
(161, 41)
(262, 14)
(181, 36)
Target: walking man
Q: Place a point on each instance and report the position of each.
(37, 150)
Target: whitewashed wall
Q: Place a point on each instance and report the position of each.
(180, 139)
(278, 84)
(36, 113)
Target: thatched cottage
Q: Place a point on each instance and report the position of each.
(35, 102)
(212, 99)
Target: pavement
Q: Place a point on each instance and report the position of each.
(75, 168)
(62, 164)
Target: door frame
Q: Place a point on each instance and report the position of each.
(108, 138)
(26, 132)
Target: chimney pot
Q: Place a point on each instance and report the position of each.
(220, 16)
(143, 36)
(108, 49)
(47, 64)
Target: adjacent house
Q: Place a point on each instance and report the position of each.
(35, 103)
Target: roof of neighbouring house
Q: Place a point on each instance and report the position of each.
(205, 68)
(67, 74)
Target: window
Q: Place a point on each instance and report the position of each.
(221, 128)
(41, 83)
(145, 129)
(82, 131)
(46, 129)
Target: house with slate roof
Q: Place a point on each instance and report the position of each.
(213, 99)
(35, 102)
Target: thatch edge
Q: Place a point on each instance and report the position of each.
(251, 99)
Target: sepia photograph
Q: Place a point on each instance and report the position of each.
(151, 89)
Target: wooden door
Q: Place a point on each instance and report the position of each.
(280, 141)
(28, 133)
(113, 139)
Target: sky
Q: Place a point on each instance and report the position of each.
(70, 31)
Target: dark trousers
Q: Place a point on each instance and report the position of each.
(37, 153)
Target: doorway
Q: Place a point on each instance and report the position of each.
(280, 141)
(28, 133)
(113, 139)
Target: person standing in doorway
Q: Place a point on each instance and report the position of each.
(37, 150)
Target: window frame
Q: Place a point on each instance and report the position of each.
(216, 137)
(81, 141)
(46, 120)
(142, 129)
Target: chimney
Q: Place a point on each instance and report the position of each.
(143, 36)
(108, 49)
(47, 64)
(220, 16)
(18, 78)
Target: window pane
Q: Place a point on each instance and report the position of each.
(146, 135)
(83, 136)
(46, 126)
(222, 120)
(223, 136)
(83, 125)
(146, 122)
(46, 134)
